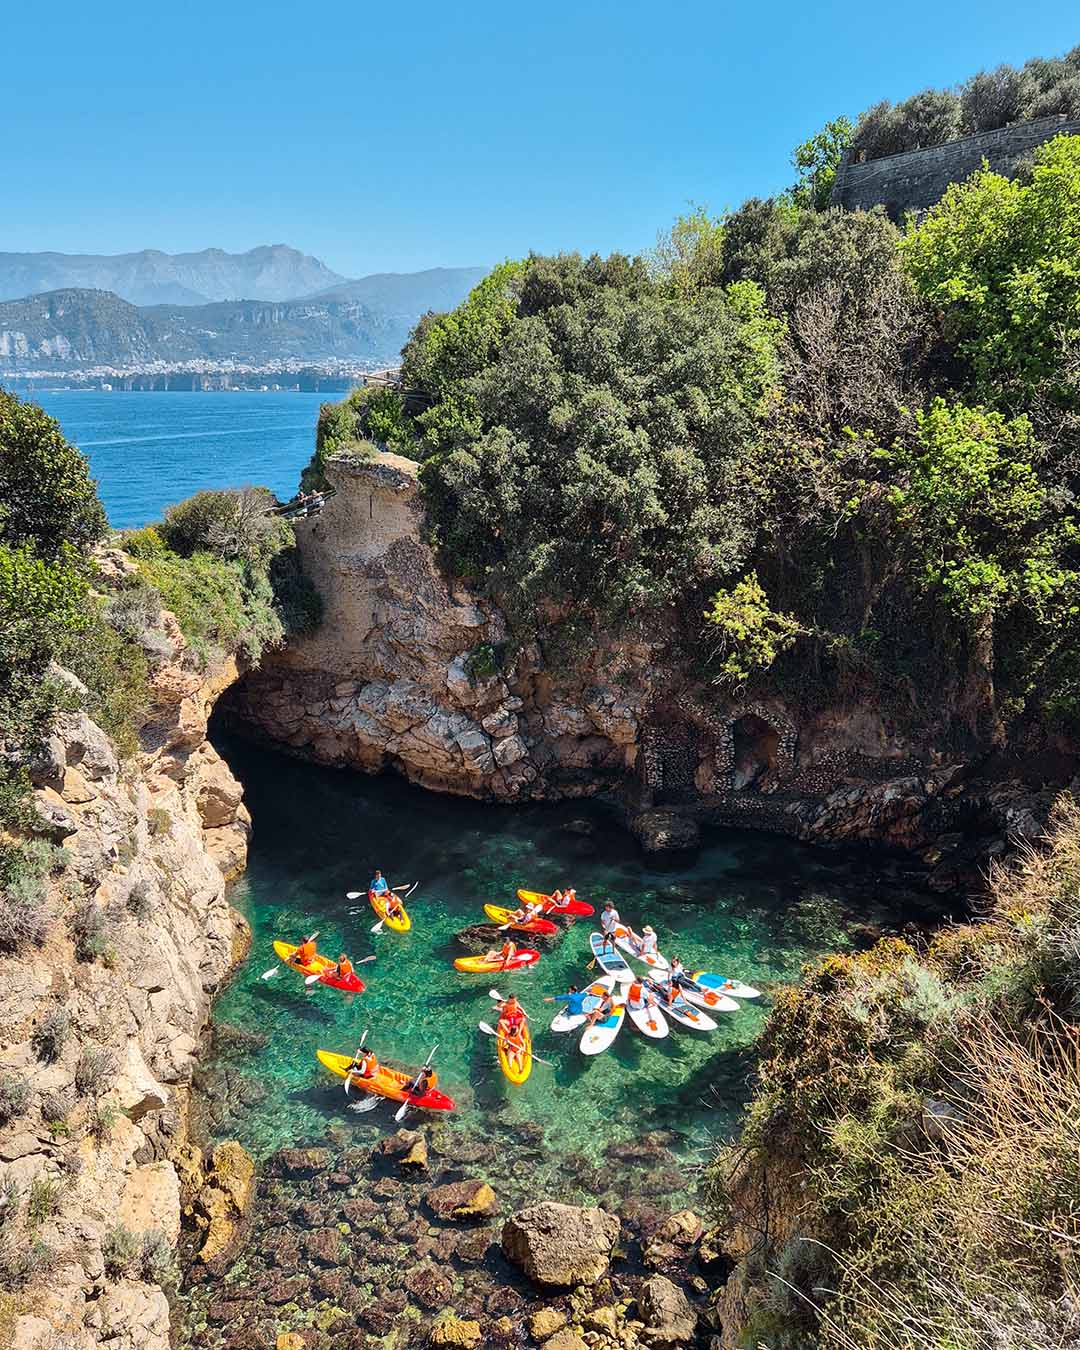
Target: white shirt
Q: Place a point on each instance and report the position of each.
(609, 920)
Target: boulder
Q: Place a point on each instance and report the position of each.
(561, 1245)
(566, 1340)
(453, 1331)
(407, 1147)
(669, 1316)
(546, 1323)
(223, 1202)
(664, 831)
(462, 1201)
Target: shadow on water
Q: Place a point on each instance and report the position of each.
(745, 905)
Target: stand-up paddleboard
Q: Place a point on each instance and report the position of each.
(480, 965)
(573, 907)
(609, 961)
(625, 943)
(717, 983)
(685, 1013)
(504, 917)
(567, 1021)
(708, 998)
(597, 1038)
(650, 1022)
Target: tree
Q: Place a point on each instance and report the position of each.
(690, 256)
(817, 160)
(1001, 258)
(751, 635)
(47, 497)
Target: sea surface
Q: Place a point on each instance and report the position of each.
(746, 905)
(149, 450)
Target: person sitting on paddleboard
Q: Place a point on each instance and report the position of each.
(677, 974)
(603, 1010)
(666, 990)
(640, 996)
(305, 953)
(645, 945)
(574, 999)
(378, 884)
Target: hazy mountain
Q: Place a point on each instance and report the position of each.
(75, 327)
(409, 293)
(271, 272)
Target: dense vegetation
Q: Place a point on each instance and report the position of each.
(852, 449)
(986, 101)
(228, 571)
(907, 1177)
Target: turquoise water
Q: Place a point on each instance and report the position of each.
(148, 450)
(748, 905)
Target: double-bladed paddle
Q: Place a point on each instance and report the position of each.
(314, 979)
(399, 1114)
(269, 974)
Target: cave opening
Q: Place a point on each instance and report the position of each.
(755, 754)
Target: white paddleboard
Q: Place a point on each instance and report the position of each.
(708, 998)
(624, 943)
(685, 1014)
(650, 1022)
(567, 1021)
(597, 1038)
(610, 962)
(733, 988)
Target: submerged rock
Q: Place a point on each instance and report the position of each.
(664, 831)
(462, 1200)
(453, 1331)
(223, 1202)
(561, 1245)
(407, 1147)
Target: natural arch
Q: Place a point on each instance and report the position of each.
(756, 747)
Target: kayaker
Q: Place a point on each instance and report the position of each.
(305, 953)
(364, 1064)
(422, 1083)
(393, 907)
(344, 966)
(556, 898)
(378, 884)
(505, 953)
(512, 1013)
(569, 896)
(574, 998)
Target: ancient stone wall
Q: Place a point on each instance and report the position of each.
(914, 181)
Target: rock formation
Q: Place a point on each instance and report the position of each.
(101, 1024)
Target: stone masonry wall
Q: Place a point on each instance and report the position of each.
(914, 181)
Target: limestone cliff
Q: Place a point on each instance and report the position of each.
(415, 672)
(102, 1022)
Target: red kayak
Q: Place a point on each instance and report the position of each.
(321, 966)
(555, 906)
(505, 919)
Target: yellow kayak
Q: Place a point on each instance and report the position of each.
(400, 923)
(387, 1082)
(515, 1055)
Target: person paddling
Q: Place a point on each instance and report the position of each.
(364, 1064)
(378, 885)
(305, 953)
(344, 967)
(609, 922)
(512, 1019)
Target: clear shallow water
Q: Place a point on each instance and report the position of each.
(148, 450)
(748, 905)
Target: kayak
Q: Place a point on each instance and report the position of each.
(597, 1038)
(610, 962)
(568, 1021)
(400, 923)
(650, 1022)
(480, 965)
(733, 988)
(321, 966)
(515, 1060)
(552, 907)
(684, 1013)
(708, 998)
(505, 916)
(387, 1082)
(625, 943)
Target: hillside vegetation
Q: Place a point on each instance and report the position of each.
(820, 455)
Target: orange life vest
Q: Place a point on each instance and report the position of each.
(305, 953)
(345, 966)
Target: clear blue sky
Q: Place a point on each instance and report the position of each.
(406, 135)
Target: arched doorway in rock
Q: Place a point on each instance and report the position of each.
(754, 764)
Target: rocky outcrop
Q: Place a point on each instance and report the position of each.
(416, 673)
(561, 1245)
(102, 1022)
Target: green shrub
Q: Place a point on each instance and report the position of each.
(102, 1120)
(43, 1200)
(94, 1071)
(50, 1035)
(120, 1249)
(144, 543)
(157, 1262)
(14, 1097)
(89, 928)
(25, 911)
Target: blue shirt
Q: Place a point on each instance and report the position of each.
(379, 887)
(575, 1003)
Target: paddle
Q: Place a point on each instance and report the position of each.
(494, 993)
(348, 1076)
(314, 979)
(268, 974)
(399, 1114)
(490, 1031)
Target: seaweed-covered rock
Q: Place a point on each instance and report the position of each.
(298, 1163)
(561, 1245)
(462, 1201)
(453, 1331)
(407, 1147)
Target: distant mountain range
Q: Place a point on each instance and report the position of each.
(314, 314)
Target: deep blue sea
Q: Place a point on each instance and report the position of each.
(148, 450)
